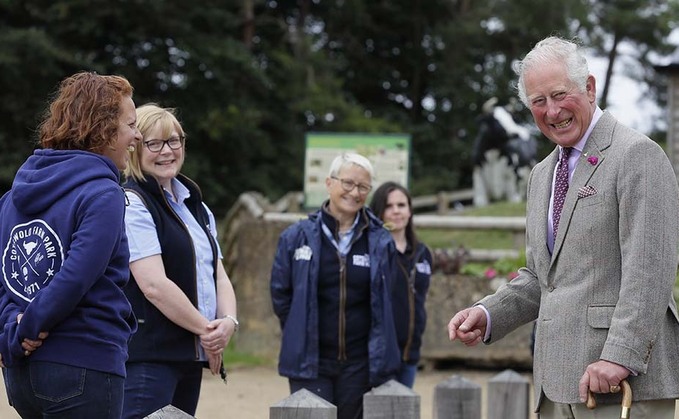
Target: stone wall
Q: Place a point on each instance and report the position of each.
(447, 295)
(250, 274)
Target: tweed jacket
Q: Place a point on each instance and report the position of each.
(606, 291)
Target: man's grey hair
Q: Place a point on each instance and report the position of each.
(549, 51)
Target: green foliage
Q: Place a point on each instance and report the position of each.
(507, 265)
(250, 78)
(474, 269)
(232, 358)
(645, 24)
(486, 239)
(503, 267)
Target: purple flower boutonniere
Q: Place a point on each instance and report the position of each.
(593, 160)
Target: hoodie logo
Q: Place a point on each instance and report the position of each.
(32, 256)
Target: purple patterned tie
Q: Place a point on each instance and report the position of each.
(560, 187)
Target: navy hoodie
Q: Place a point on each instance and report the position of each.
(65, 261)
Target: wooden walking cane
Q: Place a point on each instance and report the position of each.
(626, 399)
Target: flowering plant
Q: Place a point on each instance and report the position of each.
(506, 268)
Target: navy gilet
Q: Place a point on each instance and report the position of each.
(158, 338)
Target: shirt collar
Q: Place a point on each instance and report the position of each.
(595, 118)
(181, 192)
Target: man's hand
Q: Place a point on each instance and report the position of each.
(468, 325)
(600, 376)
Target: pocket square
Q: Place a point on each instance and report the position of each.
(586, 191)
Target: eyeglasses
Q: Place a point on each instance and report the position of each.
(175, 143)
(348, 185)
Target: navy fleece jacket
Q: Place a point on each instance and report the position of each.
(65, 261)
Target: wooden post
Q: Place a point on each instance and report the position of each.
(508, 396)
(391, 400)
(303, 404)
(442, 203)
(169, 412)
(457, 398)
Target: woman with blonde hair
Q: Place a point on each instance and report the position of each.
(179, 289)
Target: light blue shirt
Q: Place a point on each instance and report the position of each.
(344, 244)
(143, 242)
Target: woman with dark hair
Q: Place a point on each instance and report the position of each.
(65, 319)
(392, 203)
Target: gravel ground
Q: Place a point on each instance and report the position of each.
(252, 390)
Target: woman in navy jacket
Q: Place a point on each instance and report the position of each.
(65, 319)
(331, 290)
(393, 204)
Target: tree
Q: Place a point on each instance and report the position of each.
(250, 78)
(644, 24)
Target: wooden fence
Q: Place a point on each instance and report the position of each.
(442, 202)
(288, 210)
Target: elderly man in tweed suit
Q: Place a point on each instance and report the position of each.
(602, 239)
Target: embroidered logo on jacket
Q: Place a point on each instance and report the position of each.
(32, 256)
(423, 267)
(362, 260)
(303, 253)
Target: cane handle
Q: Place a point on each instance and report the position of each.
(626, 399)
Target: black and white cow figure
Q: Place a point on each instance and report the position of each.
(504, 153)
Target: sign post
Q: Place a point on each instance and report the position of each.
(388, 153)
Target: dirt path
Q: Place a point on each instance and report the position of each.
(251, 391)
(271, 388)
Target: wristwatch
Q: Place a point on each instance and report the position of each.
(234, 320)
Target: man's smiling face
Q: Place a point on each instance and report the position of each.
(560, 109)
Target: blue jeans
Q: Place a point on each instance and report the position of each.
(153, 385)
(38, 389)
(341, 383)
(406, 375)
